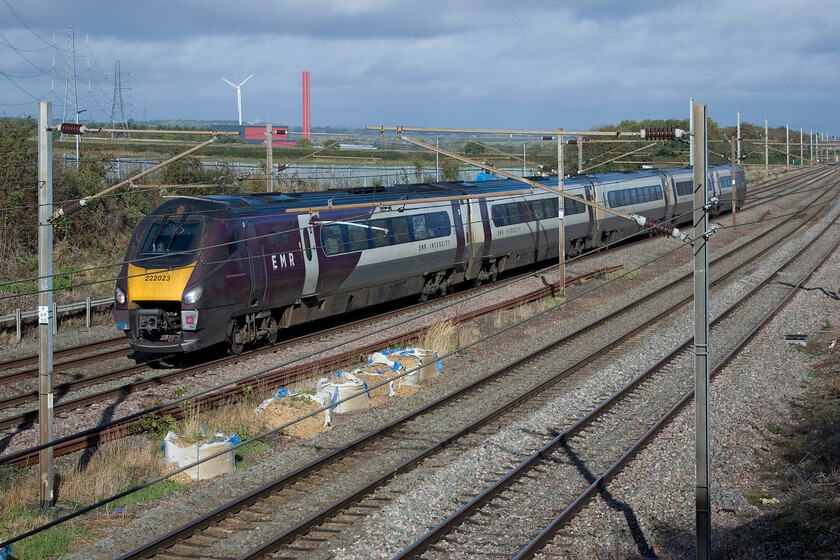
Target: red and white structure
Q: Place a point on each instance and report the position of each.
(307, 126)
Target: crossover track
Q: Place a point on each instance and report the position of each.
(294, 515)
(626, 422)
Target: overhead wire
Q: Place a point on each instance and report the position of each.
(140, 261)
(23, 22)
(123, 194)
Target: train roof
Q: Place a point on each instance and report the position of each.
(265, 203)
(272, 203)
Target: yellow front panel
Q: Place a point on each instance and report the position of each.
(157, 284)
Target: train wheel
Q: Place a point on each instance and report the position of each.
(237, 340)
(271, 329)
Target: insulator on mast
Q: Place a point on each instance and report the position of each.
(70, 128)
(660, 133)
(69, 208)
(665, 229)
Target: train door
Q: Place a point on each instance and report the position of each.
(460, 234)
(310, 256)
(476, 236)
(596, 215)
(669, 187)
(256, 266)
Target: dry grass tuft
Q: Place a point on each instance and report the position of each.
(22, 490)
(444, 337)
(235, 418)
(115, 466)
(441, 337)
(515, 314)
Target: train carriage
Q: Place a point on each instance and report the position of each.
(205, 270)
(638, 193)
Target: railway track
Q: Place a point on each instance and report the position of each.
(301, 527)
(120, 428)
(113, 347)
(271, 379)
(118, 346)
(573, 466)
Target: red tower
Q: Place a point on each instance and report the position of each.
(306, 123)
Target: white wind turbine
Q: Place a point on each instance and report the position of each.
(239, 93)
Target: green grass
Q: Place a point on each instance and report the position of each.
(152, 423)
(777, 430)
(49, 543)
(46, 544)
(803, 471)
(149, 493)
(243, 454)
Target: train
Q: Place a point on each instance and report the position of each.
(235, 270)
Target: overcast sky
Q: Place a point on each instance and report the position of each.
(524, 64)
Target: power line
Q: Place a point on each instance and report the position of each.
(71, 99)
(118, 105)
(27, 26)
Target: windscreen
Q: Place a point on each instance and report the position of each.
(171, 241)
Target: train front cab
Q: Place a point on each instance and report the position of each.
(174, 294)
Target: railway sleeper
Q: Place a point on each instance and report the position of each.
(218, 531)
(202, 539)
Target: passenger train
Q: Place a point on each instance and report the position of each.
(234, 269)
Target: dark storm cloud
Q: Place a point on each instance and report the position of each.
(475, 63)
(171, 20)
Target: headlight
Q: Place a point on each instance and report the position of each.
(119, 296)
(193, 295)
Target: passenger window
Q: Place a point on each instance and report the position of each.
(526, 212)
(272, 238)
(304, 233)
(331, 239)
(233, 243)
(513, 215)
(542, 210)
(439, 225)
(418, 224)
(358, 238)
(573, 207)
(499, 217)
(379, 237)
(400, 230)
